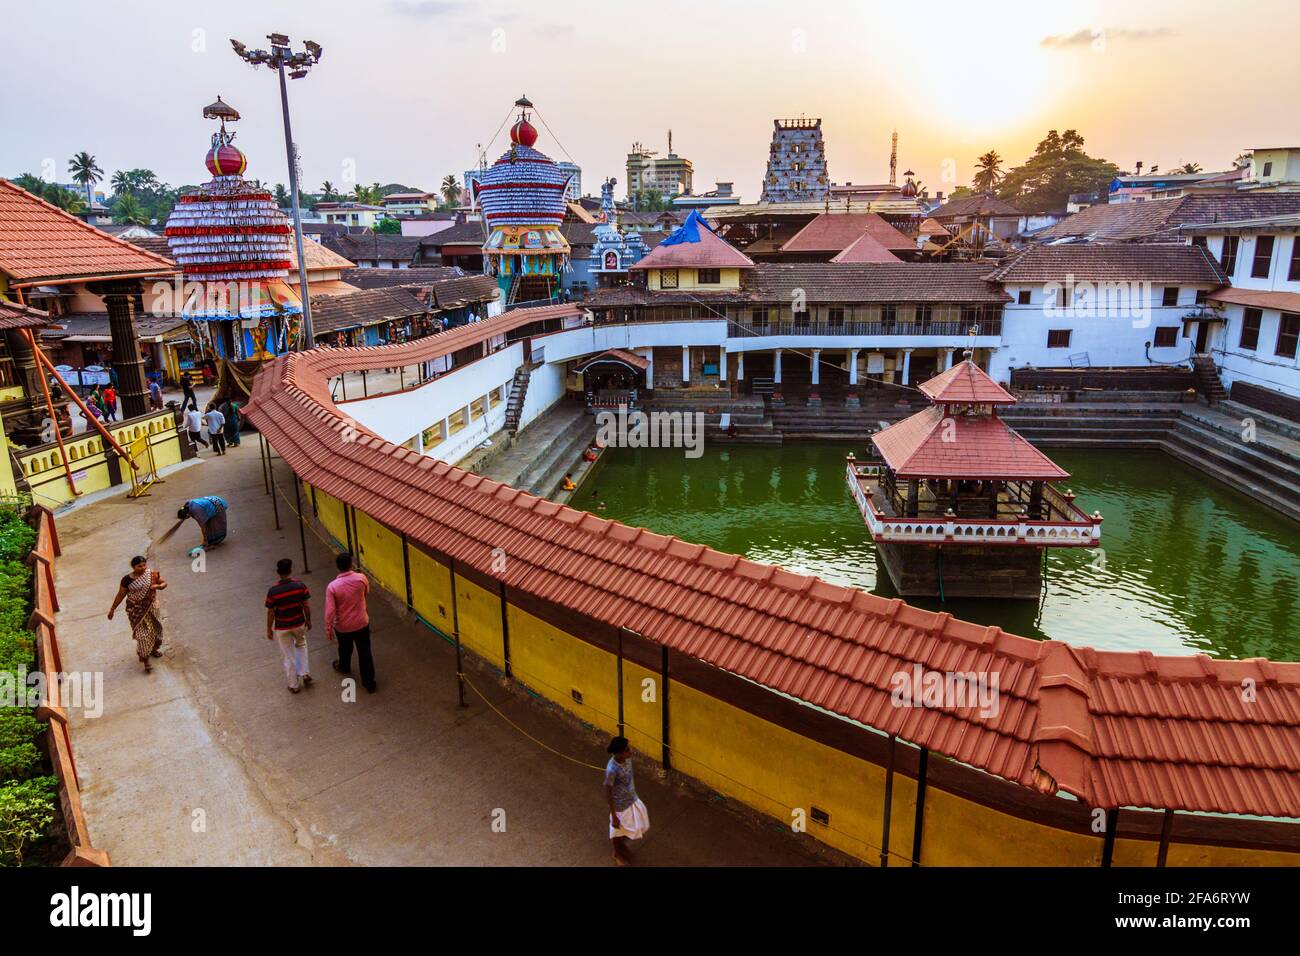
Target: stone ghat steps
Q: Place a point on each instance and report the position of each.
(1226, 469)
(546, 471)
(1264, 420)
(1094, 410)
(1254, 462)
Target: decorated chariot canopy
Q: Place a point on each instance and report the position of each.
(522, 198)
(231, 231)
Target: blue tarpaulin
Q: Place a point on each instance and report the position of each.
(689, 231)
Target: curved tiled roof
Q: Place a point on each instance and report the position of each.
(1112, 728)
(931, 444)
(966, 383)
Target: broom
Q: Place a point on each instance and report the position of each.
(166, 535)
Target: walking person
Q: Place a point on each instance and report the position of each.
(628, 817)
(194, 427)
(96, 398)
(210, 514)
(155, 394)
(347, 619)
(110, 403)
(188, 398)
(288, 619)
(140, 591)
(230, 409)
(216, 423)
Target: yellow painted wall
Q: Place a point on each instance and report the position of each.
(761, 764)
(7, 486)
(688, 279)
(329, 511)
(380, 551)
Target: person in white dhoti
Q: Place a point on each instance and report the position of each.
(628, 817)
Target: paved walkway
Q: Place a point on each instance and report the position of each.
(211, 761)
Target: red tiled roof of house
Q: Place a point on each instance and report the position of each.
(42, 243)
(15, 316)
(933, 227)
(1166, 262)
(615, 355)
(981, 204)
(931, 444)
(866, 248)
(836, 231)
(711, 252)
(966, 383)
(1112, 728)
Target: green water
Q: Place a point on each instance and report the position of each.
(1187, 564)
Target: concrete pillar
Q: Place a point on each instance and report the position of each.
(776, 374)
(740, 366)
(419, 441)
(126, 351)
(686, 364)
(947, 359)
(28, 375)
(907, 365)
(815, 365)
(650, 370)
(778, 399)
(853, 367)
(722, 364)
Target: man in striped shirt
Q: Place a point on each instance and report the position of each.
(288, 619)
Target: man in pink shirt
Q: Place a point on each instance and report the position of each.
(346, 619)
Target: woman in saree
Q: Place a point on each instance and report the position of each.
(230, 409)
(210, 513)
(140, 591)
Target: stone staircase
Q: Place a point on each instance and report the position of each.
(748, 414)
(1208, 383)
(1116, 425)
(518, 391)
(546, 471)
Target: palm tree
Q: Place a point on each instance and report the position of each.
(988, 171)
(327, 191)
(450, 190)
(127, 211)
(85, 173)
(121, 183)
(65, 199)
(1189, 168)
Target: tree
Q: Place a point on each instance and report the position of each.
(1189, 168)
(85, 173)
(988, 172)
(128, 211)
(1058, 168)
(282, 197)
(450, 190)
(327, 191)
(388, 226)
(367, 195)
(649, 200)
(1242, 161)
(52, 193)
(961, 192)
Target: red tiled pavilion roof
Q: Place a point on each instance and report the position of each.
(931, 444)
(1114, 729)
(15, 316)
(866, 248)
(836, 231)
(966, 383)
(639, 362)
(42, 243)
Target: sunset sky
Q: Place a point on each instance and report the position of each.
(407, 88)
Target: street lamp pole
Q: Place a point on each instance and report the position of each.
(277, 59)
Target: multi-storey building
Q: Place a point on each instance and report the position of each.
(668, 176)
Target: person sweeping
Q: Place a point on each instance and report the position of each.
(140, 591)
(210, 515)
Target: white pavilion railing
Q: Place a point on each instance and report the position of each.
(950, 529)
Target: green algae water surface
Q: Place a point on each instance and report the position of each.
(1186, 564)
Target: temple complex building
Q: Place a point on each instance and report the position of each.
(796, 164)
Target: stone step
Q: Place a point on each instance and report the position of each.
(1196, 458)
(545, 471)
(1267, 442)
(1263, 420)
(1230, 439)
(1282, 478)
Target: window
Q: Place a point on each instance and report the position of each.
(1202, 296)
(1288, 335)
(1263, 257)
(924, 313)
(801, 319)
(1166, 336)
(1293, 274)
(1250, 321)
(668, 278)
(708, 276)
(888, 316)
(1058, 338)
(835, 317)
(1268, 169)
(1202, 241)
(758, 318)
(1170, 296)
(1228, 258)
(1022, 297)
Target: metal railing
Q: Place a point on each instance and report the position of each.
(902, 329)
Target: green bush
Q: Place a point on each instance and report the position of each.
(26, 812)
(27, 796)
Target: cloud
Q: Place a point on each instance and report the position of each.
(1088, 36)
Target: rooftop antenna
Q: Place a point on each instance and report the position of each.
(670, 142)
(893, 160)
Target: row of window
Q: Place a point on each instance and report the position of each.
(923, 315)
(1166, 336)
(671, 279)
(1261, 262)
(1288, 333)
(1168, 296)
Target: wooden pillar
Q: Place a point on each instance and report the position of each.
(1166, 828)
(302, 524)
(505, 629)
(917, 829)
(120, 301)
(1036, 500)
(666, 757)
(913, 497)
(889, 801)
(406, 570)
(455, 627)
(1108, 844)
